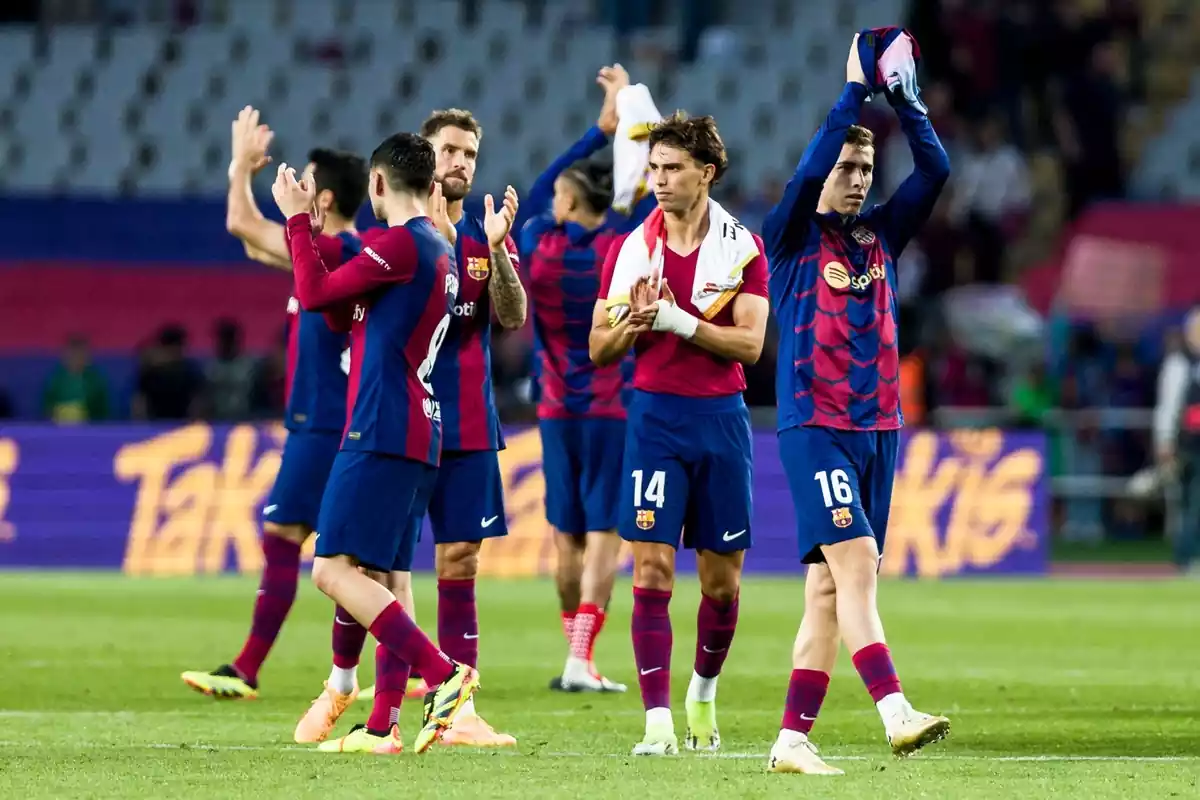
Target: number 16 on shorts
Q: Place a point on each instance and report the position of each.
(838, 489)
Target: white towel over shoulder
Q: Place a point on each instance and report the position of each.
(636, 112)
(727, 249)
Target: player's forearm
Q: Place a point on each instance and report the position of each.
(908, 209)
(263, 257)
(244, 220)
(608, 345)
(803, 191)
(541, 194)
(506, 291)
(316, 287)
(735, 343)
(929, 157)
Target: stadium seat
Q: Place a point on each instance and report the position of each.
(161, 100)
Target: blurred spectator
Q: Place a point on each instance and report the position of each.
(230, 375)
(1087, 125)
(76, 391)
(1032, 397)
(170, 386)
(990, 195)
(270, 385)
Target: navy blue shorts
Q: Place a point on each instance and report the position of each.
(841, 483)
(689, 464)
(581, 459)
(468, 498)
(295, 498)
(368, 508)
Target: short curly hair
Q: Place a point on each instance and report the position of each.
(697, 136)
(451, 118)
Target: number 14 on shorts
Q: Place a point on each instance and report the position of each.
(835, 485)
(655, 490)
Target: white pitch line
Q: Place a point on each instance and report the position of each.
(237, 748)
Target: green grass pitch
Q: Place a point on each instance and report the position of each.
(1055, 688)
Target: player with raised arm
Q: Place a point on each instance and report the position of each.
(467, 505)
(833, 287)
(581, 413)
(316, 398)
(688, 458)
(398, 296)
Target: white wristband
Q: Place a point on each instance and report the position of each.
(673, 319)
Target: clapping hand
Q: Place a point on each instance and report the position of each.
(294, 196)
(250, 142)
(498, 222)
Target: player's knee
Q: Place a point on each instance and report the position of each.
(328, 574)
(854, 565)
(292, 533)
(458, 561)
(654, 568)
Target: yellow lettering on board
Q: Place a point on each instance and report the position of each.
(990, 501)
(189, 511)
(10, 457)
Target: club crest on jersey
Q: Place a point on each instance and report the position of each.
(477, 267)
(863, 236)
(842, 517)
(645, 518)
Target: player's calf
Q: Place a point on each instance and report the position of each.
(853, 565)
(716, 622)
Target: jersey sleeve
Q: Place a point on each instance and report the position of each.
(391, 258)
(754, 279)
(610, 266)
(514, 254)
(340, 317)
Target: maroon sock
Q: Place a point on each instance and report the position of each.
(806, 693)
(276, 593)
(396, 631)
(458, 621)
(715, 624)
(348, 639)
(391, 679)
(874, 665)
(652, 646)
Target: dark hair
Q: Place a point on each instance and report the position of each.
(697, 136)
(344, 174)
(451, 118)
(594, 182)
(858, 136)
(408, 162)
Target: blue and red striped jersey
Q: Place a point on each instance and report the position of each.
(833, 280)
(316, 380)
(565, 264)
(462, 377)
(402, 286)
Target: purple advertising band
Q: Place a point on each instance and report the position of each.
(156, 500)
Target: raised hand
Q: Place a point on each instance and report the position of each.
(439, 212)
(250, 142)
(498, 222)
(854, 67)
(642, 294)
(293, 196)
(612, 79)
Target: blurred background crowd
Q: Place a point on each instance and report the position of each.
(1044, 292)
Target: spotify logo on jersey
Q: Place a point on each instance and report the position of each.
(836, 275)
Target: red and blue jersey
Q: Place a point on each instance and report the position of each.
(565, 264)
(316, 380)
(462, 377)
(833, 280)
(399, 294)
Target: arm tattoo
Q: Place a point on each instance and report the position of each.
(506, 291)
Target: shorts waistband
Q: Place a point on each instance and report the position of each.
(679, 404)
